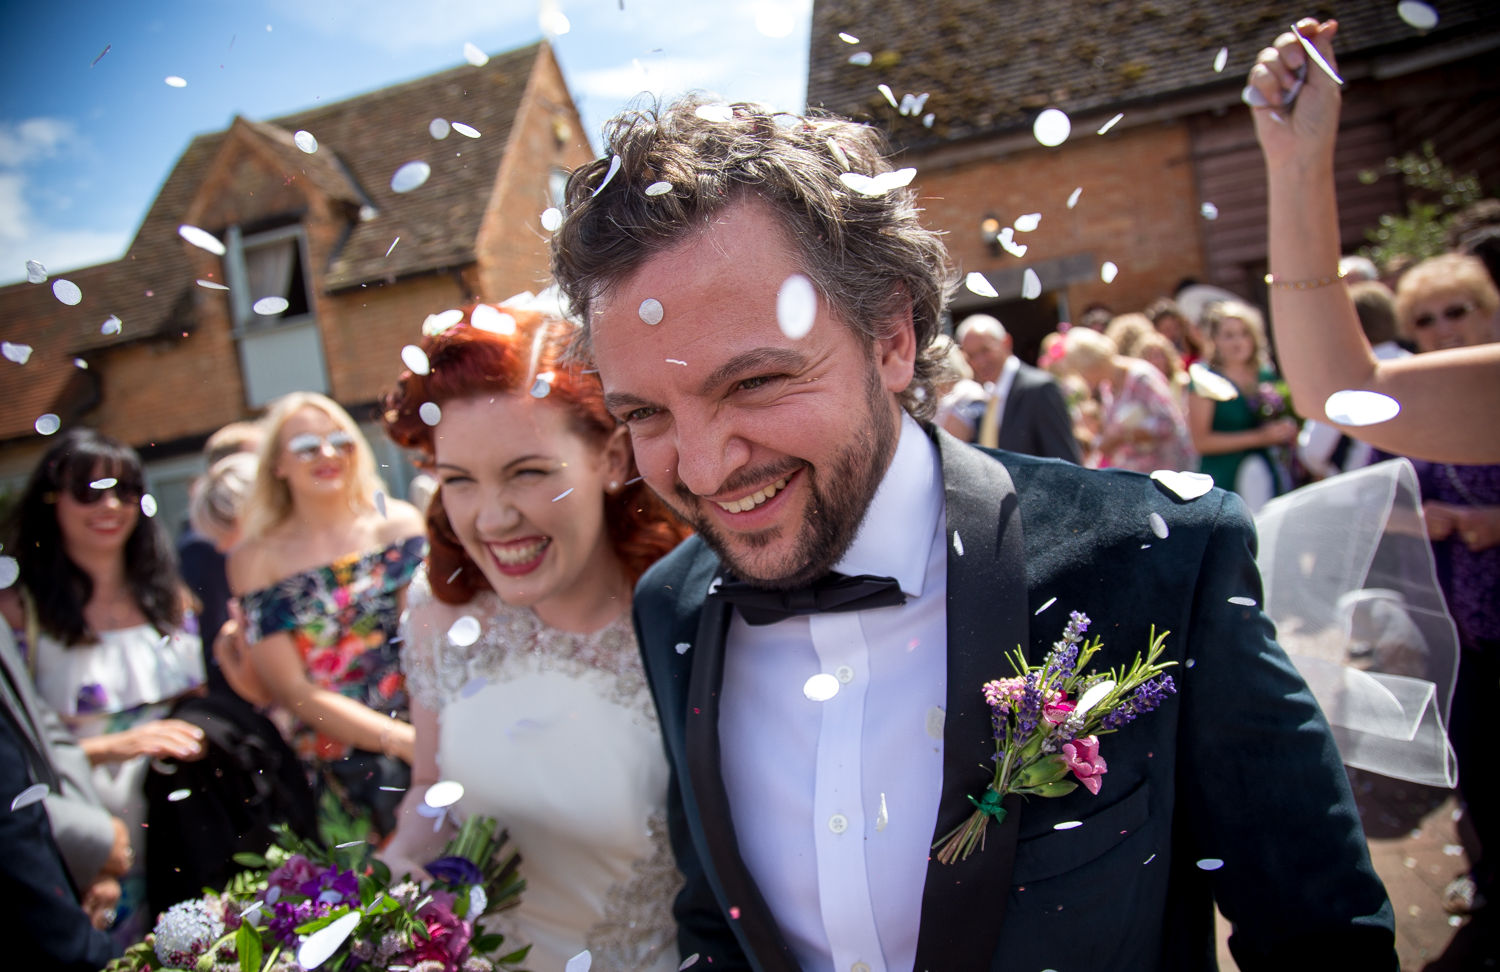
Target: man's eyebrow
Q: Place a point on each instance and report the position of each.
(614, 401)
(756, 359)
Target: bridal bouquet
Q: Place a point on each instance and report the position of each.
(1047, 721)
(299, 907)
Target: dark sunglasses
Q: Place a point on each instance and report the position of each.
(308, 447)
(88, 493)
(1451, 313)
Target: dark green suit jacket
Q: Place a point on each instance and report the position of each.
(1239, 766)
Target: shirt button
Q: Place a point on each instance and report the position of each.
(859, 967)
(845, 674)
(838, 823)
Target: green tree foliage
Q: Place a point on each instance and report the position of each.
(1437, 195)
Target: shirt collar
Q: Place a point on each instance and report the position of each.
(896, 535)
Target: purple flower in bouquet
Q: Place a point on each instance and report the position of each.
(1270, 402)
(455, 871)
(287, 915)
(91, 698)
(290, 876)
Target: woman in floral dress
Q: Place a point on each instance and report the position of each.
(527, 687)
(108, 632)
(320, 575)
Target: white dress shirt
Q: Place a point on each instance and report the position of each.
(835, 802)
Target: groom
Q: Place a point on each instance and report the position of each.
(762, 323)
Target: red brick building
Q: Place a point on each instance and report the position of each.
(359, 264)
(988, 69)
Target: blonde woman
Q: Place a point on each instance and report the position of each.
(320, 573)
(1141, 427)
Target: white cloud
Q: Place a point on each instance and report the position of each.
(59, 250)
(34, 139)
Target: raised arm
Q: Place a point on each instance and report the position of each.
(1319, 342)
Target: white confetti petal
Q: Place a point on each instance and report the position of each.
(1209, 211)
(211, 285)
(880, 184)
(715, 113)
(542, 387)
(430, 413)
(1186, 485)
(19, 353)
(489, 318)
(563, 494)
(688, 962)
(474, 55)
(1111, 123)
(444, 793)
(796, 306)
(958, 544)
(614, 166)
(410, 176)
(415, 359)
(320, 946)
(821, 687)
(1067, 825)
(465, 631)
(1052, 127)
(392, 246)
(978, 283)
(108, 482)
(848, 38)
(1210, 864)
(1243, 601)
(177, 796)
(1159, 526)
(650, 311)
(554, 22)
(349, 843)
(202, 239)
(1050, 601)
(1357, 408)
(658, 188)
(47, 423)
(551, 219)
(67, 291)
(1108, 271)
(173, 81)
(1417, 14)
(1073, 196)
(682, 647)
(890, 96)
(270, 306)
(439, 128)
(28, 796)
(1221, 59)
(861, 58)
(928, 119)
(305, 141)
(1093, 696)
(35, 272)
(1028, 222)
(1210, 384)
(467, 131)
(80, 363)
(148, 504)
(1031, 284)
(10, 570)
(112, 325)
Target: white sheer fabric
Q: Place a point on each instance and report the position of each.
(555, 735)
(1350, 583)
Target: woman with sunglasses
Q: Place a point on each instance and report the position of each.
(526, 682)
(320, 570)
(107, 630)
(1448, 301)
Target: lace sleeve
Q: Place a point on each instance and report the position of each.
(434, 671)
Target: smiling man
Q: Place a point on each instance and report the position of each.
(761, 302)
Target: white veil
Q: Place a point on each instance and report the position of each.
(1350, 583)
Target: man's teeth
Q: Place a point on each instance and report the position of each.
(511, 555)
(754, 499)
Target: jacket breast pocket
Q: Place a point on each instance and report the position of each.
(1057, 851)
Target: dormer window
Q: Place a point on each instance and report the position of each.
(267, 264)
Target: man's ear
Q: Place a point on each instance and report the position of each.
(615, 462)
(896, 349)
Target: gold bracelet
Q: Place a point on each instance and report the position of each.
(1306, 284)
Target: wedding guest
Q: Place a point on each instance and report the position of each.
(108, 627)
(1162, 355)
(957, 390)
(1142, 428)
(819, 754)
(1318, 339)
(320, 570)
(1023, 408)
(525, 678)
(1233, 422)
(1448, 302)
(1127, 331)
(1173, 324)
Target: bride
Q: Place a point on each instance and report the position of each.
(526, 687)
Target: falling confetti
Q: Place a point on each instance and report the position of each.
(1210, 864)
(553, 21)
(688, 962)
(1185, 485)
(580, 962)
(474, 55)
(305, 141)
(67, 291)
(410, 176)
(821, 687)
(202, 239)
(80, 363)
(1031, 284)
(436, 324)
(1357, 408)
(430, 413)
(978, 283)
(1159, 526)
(650, 311)
(1111, 123)
(848, 38)
(380, 503)
(958, 544)
(10, 570)
(1067, 825)
(796, 306)
(1052, 127)
(415, 359)
(542, 387)
(1108, 271)
(35, 272)
(19, 353)
(101, 55)
(614, 166)
(551, 219)
(1073, 197)
(319, 946)
(108, 482)
(1211, 384)
(488, 318)
(1418, 15)
(173, 81)
(270, 306)
(1050, 601)
(890, 96)
(444, 793)
(658, 188)
(464, 632)
(1028, 222)
(148, 504)
(861, 59)
(211, 285)
(1209, 211)
(1243, 601)
(714, 113)
(878, 185)
(682, 647)
(349, 843)
(1314, 55)
(563, 494)
(1221, 59)
(47, 423)
(928, 119)
(439, 128)
(392, 246)
(467, 131)
(177, 796)
(28, 796)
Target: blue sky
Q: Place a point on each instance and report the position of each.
(86, 140)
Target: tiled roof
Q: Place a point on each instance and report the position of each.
(990, 65)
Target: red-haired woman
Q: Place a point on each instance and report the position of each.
(525, 682)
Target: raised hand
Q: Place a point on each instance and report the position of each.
(1304, 132)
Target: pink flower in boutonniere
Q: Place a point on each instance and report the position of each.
(1057, 712)
(1085, 762)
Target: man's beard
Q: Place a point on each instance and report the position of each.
(841, 495)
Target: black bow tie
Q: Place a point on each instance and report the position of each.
(831, 592)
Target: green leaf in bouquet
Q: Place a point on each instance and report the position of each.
(247, 943)
(380, 872)
(247, 859)
(519, 955)
(383, 904)
(1048, 769)
(1060, 788)
(323, 921)
(487, 943)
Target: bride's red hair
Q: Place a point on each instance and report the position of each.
(466, 361)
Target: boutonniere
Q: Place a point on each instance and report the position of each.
(1047, 722)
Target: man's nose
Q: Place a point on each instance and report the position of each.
(708, 452)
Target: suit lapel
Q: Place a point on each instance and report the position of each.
(720, 848)
(963, 903)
